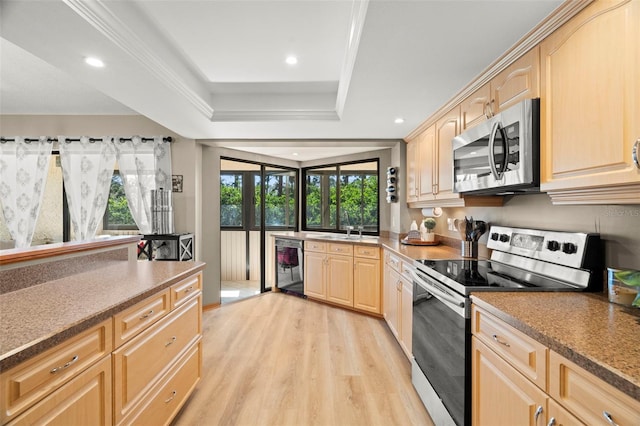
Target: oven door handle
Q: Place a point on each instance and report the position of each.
(433, 290)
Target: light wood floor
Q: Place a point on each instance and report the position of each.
(277, 359)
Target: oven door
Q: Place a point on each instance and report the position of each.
(500, 154)
(440, 329)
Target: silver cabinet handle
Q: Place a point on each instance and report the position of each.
(502, 342)
(173, 395)
(537, 414)
(552, 421)
(64, 367)
(187, 290)
(170, 342)
(608, 418)
(147, 315)
(635, 153)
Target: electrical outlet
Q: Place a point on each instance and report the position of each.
(450, 224)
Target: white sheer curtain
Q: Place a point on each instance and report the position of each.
(87, 167)
(24, 166)
(144, 166)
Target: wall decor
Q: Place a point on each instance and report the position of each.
(391, 189)
(176, 183)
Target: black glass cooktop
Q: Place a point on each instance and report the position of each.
(484, 275)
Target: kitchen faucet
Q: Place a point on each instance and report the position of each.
(349, 228)
(360, 229)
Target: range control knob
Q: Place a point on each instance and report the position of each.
(494, 236)
(504, 238)
(553, 245)
(569, 248)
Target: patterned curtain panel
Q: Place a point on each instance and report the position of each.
(87, 167)
(144, 166)
(23, 174)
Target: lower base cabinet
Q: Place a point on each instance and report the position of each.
(398, 300)
(85, 400)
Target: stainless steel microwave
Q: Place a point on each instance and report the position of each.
(500, 155)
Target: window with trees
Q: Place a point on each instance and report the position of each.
(117, 216)
(341, 195)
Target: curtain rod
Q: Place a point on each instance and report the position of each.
(91, 140)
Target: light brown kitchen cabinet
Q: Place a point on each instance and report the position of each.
(517, 82)
(366, 279)
(500, 394)
(413, 170)
(588, 397)
(590, 107)
(513, 375)
(85, 400)
(34, 379)
(398, 300)
(343, 274)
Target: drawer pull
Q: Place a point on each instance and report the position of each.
(366, 252)
(502, 342)
(64, 367)
(188, 289)
(552, 422)
(173, 395)
(170, 342)
(147, 315)
(608, 418)
(537, 414)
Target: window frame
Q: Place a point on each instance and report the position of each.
(337, 230)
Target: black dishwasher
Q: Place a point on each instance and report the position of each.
(289, 260)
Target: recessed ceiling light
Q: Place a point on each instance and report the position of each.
(94, 62)
(399, 120)
(291, 60)
(295, 154)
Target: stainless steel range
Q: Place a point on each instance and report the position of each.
(522, 260)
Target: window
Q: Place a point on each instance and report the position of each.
(117, 216)
(342, 195)
(231, 199)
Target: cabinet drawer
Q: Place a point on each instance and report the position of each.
(405, 270)
(30, 381)
(185, 290)
(345, 249)
(315, 246)
(85, 400)
(370, 252)
(521, 351)
(142, 360)
(587, 396)
(393, 261)
(132, 321)
(170, 393)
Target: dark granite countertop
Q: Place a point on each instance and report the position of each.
(39, 317)
(601, 337)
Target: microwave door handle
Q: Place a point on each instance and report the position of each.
(431, 289)
(492, 143)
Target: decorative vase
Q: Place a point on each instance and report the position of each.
(430, 237)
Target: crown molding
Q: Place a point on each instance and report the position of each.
(98, 15)
(274, 115)
(557, 18)
(358, 15)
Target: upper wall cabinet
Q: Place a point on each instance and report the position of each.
(519, 81)
(590, 107)
(430, 167)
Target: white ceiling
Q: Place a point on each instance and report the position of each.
(215, 69)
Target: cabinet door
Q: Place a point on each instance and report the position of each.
(590, 103)
(366, 285)
(517, 82)
(85, 400)
(340, 279)
(474, 108)
(558, 416)
(406, 316)
(315, 275)
(446, 129)
(413, 162)
(426, 153)
(391, 301)
(501, 395)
